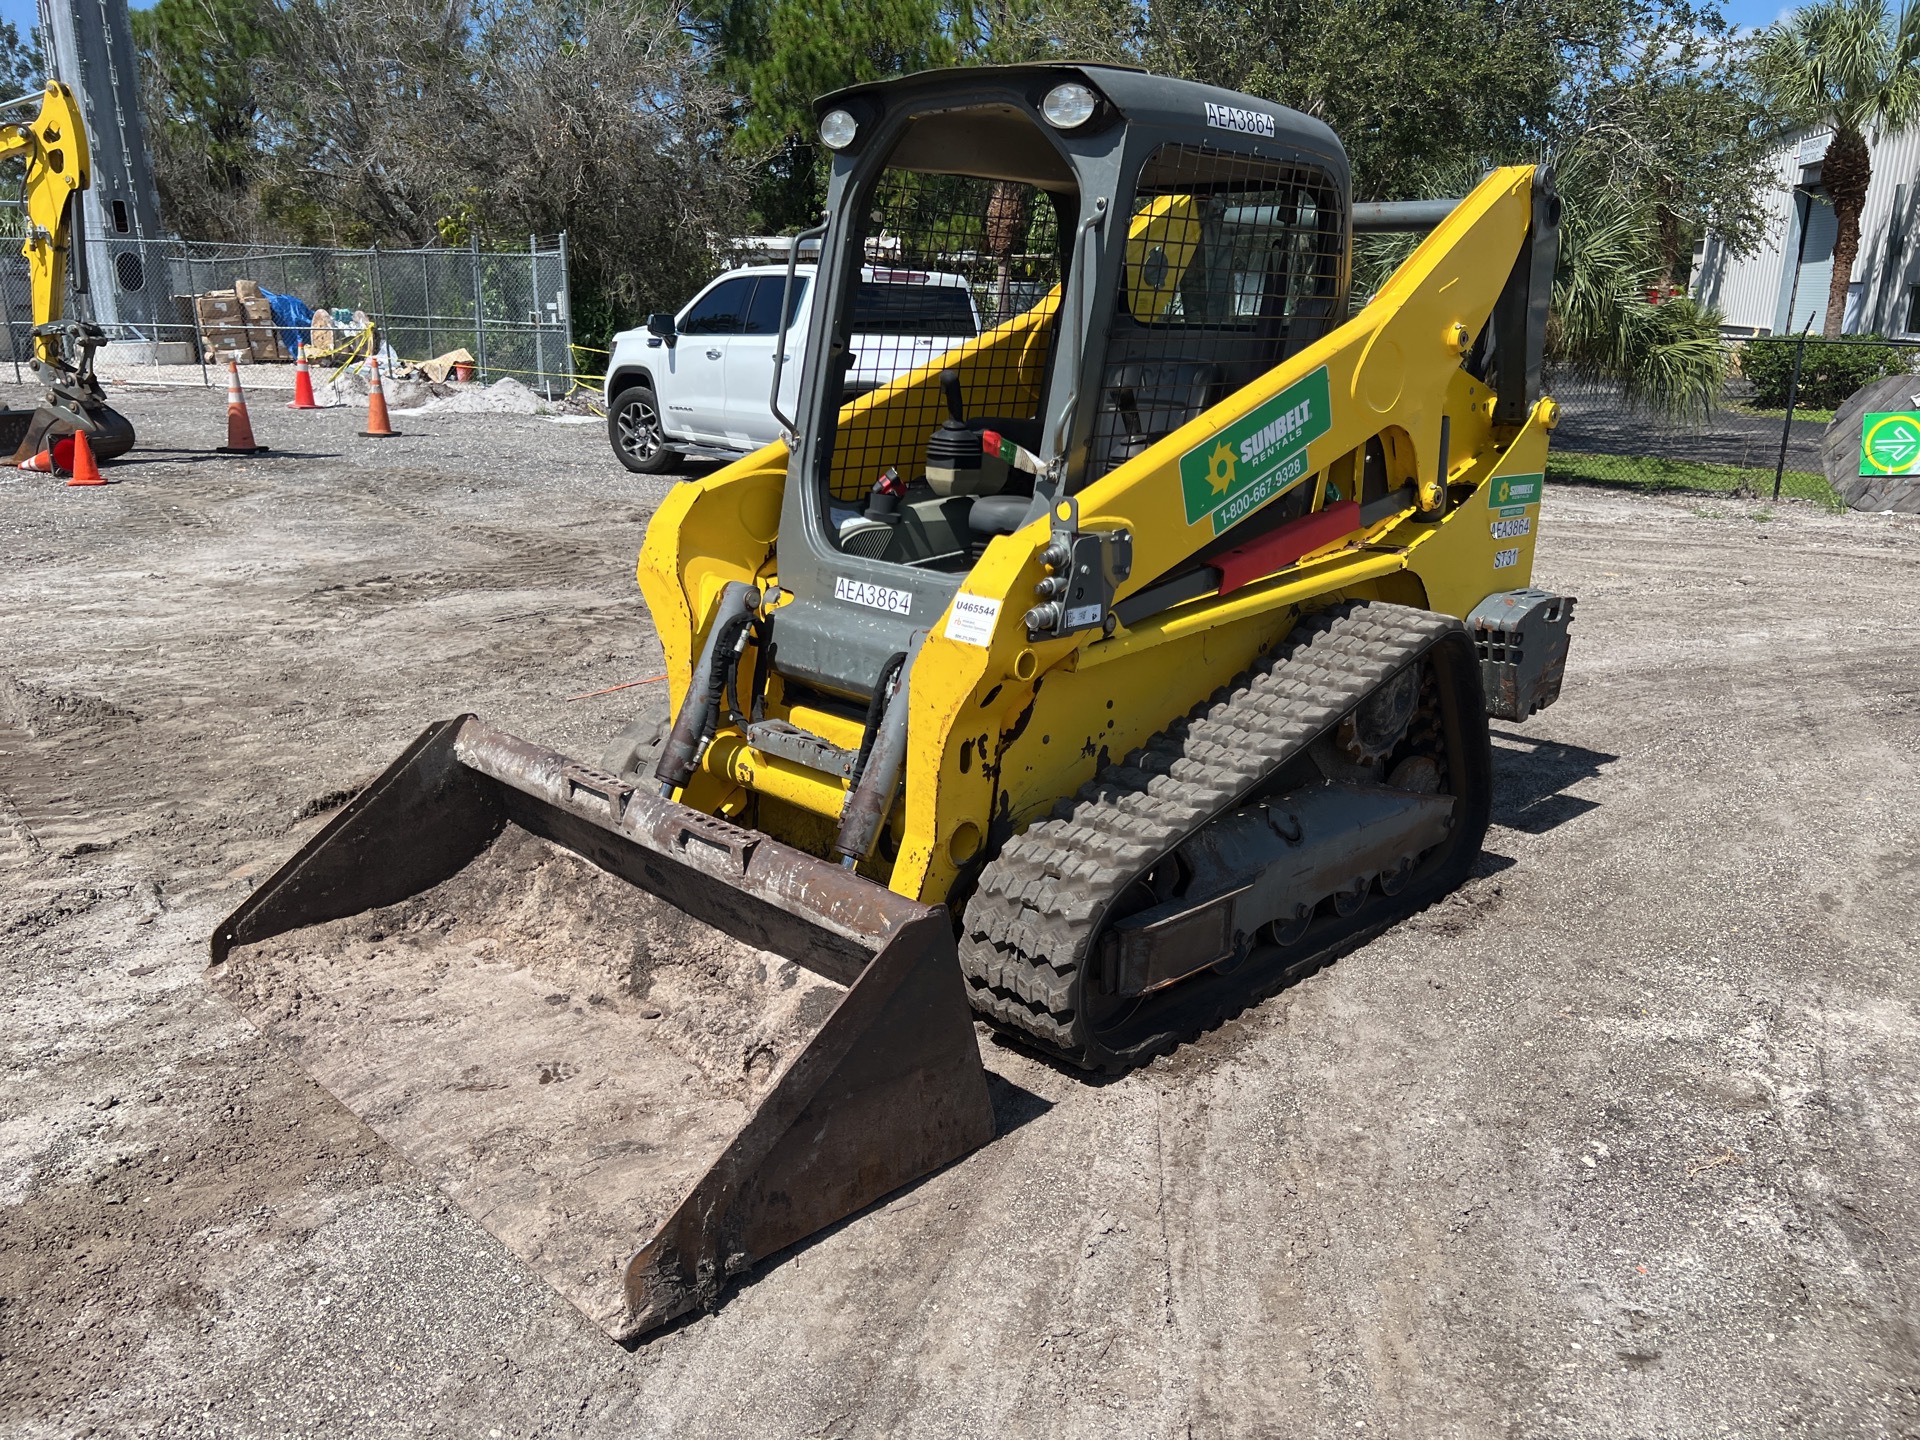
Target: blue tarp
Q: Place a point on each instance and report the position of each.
(293, 318)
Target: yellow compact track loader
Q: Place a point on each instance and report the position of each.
(1125, 658)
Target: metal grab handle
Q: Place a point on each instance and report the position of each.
(786, 307)
(1071, 305)
(713, 354)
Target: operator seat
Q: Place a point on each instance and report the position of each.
(1147, 400)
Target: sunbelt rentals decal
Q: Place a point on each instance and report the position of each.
(1259, 456)
(1511, 497)
(1506, 490)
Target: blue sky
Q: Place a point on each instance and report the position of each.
(1748, 14)
(23, 15)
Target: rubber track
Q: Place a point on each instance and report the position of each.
(1041, 900)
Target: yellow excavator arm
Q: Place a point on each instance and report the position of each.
(54, 145)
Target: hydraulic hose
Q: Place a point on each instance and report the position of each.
(725, 666)
(876, 707)
(693, 727)
(872, 796)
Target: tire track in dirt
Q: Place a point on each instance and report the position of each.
(53, 747)
(258, 1264)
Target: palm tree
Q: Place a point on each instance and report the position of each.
(1853, 66)
(1666, 358)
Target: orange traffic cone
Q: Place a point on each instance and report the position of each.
(240, 439)
(302, 383)
(41, 464)
(379, 427)
(86, 471)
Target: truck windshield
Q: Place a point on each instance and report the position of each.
(912, 308)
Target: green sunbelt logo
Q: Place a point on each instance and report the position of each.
(1514, 490)
(1257, 457)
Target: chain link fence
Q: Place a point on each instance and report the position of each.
(1762, 440)
(507, 309)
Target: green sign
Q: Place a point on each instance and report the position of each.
(1258, 456)
(1507, 490)
(1890, 444)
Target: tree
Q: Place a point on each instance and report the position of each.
(374, 119)
(1678, 118)
(415, 124)
(1408, 85)
(780, 55)
(1013, 32)
(814, 46)
(1653, 146)
(1666, 356)
(1645, 109)
(20, 74)
(597, 118)
(652, 131)
(1852, 66)
(199, 70)
(19, 60)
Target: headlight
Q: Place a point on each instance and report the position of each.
(1067, 106)
(837, 129)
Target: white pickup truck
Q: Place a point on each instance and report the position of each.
(701, 382)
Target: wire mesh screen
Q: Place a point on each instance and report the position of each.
(1233, 263)
(959, 271)
(507, 309)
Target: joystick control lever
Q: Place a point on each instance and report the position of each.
(950, 387)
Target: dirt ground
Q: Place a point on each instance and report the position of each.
(1620, 1141)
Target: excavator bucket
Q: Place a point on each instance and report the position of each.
(25, 433)
(640, 1091)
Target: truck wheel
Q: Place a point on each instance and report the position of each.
(633, 425)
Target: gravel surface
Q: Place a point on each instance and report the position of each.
(1618, 1141)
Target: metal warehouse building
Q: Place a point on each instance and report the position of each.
(1758, 294)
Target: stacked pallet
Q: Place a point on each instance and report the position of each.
(237, 324)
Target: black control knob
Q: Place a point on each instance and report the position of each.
(950, 387)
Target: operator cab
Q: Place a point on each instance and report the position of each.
(1137, 249)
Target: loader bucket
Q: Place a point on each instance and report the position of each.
(635, 1146)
